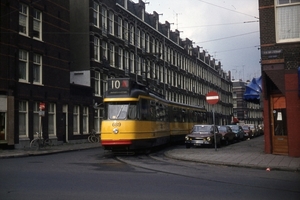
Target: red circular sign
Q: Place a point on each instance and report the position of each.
(212, 97)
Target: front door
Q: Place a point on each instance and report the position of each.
(279, 127)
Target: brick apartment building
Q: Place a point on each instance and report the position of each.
(280, 62)
(60, 54)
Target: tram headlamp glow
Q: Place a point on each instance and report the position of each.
(115, 130)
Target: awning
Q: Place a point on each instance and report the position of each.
(253, 91)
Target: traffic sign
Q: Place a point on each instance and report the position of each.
(42, 106)
(212, 97)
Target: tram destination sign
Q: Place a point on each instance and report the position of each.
(119, 86)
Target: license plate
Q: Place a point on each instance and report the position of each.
(198, 142)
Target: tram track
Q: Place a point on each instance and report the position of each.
(158, 162)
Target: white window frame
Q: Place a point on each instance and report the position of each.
(112, 55)
(96, 49)
(97, 119)
(111, 28)
(131, 62)
(37, 24)
(85, 120)
(76, 120)
(104, 18)
(37, 69)
(287, 21)
(52, 119)
(23, 19)
(23, 110)
(120, 27)
(96, 14)
(23, 59)
(104, 49)
(120, 54)
(97, 84)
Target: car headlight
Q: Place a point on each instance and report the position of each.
(208, 138)
(187, 138)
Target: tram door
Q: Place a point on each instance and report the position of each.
(279, 127)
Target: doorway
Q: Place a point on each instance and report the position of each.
(2, 126)
(279, 125)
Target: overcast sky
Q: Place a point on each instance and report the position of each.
(227, 29)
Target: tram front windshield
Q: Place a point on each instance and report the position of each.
(122, 111)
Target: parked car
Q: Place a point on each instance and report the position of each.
(247, 131)
(238, 131)
(254, 129)
(202, 135)
(227, 134)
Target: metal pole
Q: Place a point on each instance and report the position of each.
(215, 137)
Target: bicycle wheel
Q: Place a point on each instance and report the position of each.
(35, 143)
(93, 139)
(47, 142)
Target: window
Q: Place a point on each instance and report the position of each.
(37, 69)
(287, 20)
(97, 49)
(52, 119)
(126, 60)
(36, 118)
(76, 112)
(96, 14)
(132, 34)
(37, 24)
(97, 84)
(120, 64)
(104, 49)
(23, 19)
(104, 18)
(112, 55)
(120, 30)
(85, 120)
(23, 66)
(97, 120)
(23, 118)
(126, 30)
(131, 62)
(111, 23)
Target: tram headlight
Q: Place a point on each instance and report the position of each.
(115, 130)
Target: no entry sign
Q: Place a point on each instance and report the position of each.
(212, 97)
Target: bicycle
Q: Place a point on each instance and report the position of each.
(93, 137)
(40, 141)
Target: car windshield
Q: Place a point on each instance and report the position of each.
(222, 128)
(202, 129)
(234, 128)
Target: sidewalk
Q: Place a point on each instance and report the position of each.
(249, 153)
(47, 150)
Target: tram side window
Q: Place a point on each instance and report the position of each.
(132, 111)
(145, 111)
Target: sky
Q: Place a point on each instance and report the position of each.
(227, 29)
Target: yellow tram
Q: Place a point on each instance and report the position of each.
(136, 119)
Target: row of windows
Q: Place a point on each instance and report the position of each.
(52, 117)
(126, 60)
(30, 70)
(24, 16)
(141, 39)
